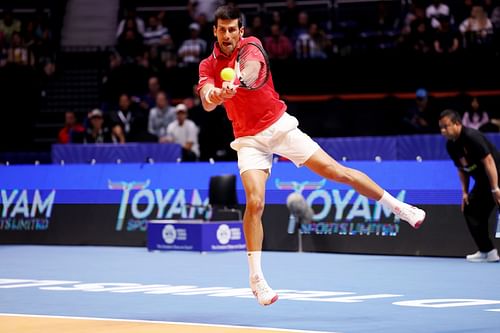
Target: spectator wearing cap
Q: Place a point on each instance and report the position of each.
(192, 50)
(184, 132)
(419, 117)
(97, 131)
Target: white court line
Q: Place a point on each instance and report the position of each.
(163, 322)
(493, 310)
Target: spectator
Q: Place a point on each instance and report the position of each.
(97, 131)
(203, 7)
(44, 52)
(301, 26)
(130, 16)
(130, 45)
(257, 28)
(447, 40)
(18, 53)
(156, 34)
(477, 29)
(419, 118)
(420, 37)
(435, 10)
(160, 116)
(407, 28)
(184, 132)
(126, 122)
(475, 117)
(311, 45)
(278, 46)
(206, 28)
(193, 49)
(148, 101)
(72, 130)
(9, 25)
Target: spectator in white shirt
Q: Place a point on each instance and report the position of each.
(435, 10)
(160, 117)
(193, 49)
(184, 132)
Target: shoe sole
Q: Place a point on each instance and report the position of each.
(476, 260)
(273, 300)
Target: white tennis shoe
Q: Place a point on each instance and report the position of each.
(265, 295)
(491, 256)
(411, 214)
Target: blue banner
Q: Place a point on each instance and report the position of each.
(30, 188)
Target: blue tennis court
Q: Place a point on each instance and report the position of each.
(318, 292)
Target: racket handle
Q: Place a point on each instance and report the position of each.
(228, 85)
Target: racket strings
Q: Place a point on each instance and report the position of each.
(253, 67)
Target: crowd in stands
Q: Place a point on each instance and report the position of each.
(423, 26)
(423, 115)
(141, 110)
(27, 41)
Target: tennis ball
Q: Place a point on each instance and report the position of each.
(227, 74)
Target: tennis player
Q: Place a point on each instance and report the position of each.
(262, 127)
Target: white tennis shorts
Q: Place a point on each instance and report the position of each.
(282, 138)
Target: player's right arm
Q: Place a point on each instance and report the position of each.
(210, 96)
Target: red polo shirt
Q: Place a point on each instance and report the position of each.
(250, 111)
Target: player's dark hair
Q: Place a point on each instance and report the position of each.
(228, 12)
(452, 114)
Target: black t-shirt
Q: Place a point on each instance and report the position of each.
(472, 146)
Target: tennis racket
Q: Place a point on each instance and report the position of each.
(252, 66)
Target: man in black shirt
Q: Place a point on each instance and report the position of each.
(474, 156)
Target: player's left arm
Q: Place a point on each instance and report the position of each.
(492, 173)
(210, 95)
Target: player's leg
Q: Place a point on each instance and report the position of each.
(255, 162)
(254, 183)
(302, 150)
(323, 164)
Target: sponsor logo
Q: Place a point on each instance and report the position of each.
(141, 203)
(223, 234)
(169, 234)
(343, 214)
(19, 215)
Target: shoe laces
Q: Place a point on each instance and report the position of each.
(262, 288)
(405, 212)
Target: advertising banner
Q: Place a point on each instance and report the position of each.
(111, 204)
(195, 235)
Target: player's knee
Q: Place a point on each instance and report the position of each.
(255, 204)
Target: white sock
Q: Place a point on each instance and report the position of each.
(389, 201)
(254, 263)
